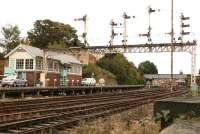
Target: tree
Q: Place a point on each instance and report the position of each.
(117, 64)
(148, 67)
(56, 45)
(88, 70)
(11, 36)
(47, 32)
(92, 70)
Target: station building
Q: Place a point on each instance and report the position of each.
(48, 67)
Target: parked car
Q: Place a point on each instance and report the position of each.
(88, 82)
(13, 81)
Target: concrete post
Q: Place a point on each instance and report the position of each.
(22, 94)
(3, 96)
(38, 93)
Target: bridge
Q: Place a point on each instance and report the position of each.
(143, 48)
(189, 47)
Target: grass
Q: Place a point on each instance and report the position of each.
(137, 121)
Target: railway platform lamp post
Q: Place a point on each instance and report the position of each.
(54, 82)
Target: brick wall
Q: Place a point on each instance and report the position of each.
(50, 78)
(74, 80)
(85, 57)
(53, 79)
(92, 59)
(2, 65)
(30, 78)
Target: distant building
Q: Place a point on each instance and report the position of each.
(84, 56)
(164, 79)
(49, 67)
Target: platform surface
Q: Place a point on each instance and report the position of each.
(182, 99)
(183, 127)
(178, 105)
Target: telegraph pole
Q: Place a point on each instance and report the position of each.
(172, 41)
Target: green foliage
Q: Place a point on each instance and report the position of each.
(47, 32)
(165, 118)
(55, 45)
(2, 56)
(88, 70)
(188, 115)
(148, 67)
(125, 72)
(11, 36)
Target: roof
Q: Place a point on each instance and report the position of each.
(71, 59)
(33, 51)
(63, 57)
(164, 76)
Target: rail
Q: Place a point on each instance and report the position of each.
(61, 112)
(20, 92)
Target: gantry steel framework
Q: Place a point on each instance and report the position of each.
(144, 48)
(189, 47)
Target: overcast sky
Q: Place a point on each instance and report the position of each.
(25, 12)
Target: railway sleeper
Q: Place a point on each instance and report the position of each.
(29, 115)
(157, 96)
(37, 114)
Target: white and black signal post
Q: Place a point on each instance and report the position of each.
(84, 19)
(125, 17)
(183, 26)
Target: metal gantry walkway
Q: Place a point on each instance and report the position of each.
(189, 47)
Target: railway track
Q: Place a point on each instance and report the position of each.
(36, 115)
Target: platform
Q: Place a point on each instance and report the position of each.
(178, 105)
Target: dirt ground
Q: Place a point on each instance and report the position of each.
(136, 121)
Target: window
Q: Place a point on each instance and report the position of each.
(39, 64)
(73, 68)
(50, 65)
(29, 64)
(63, 81)
(79, 69)
(19, 63)
(76, 69)
(56, 66)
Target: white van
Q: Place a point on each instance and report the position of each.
(88, 82)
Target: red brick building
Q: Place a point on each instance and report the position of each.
(50, 68)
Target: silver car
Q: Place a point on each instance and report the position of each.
(13, 81)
